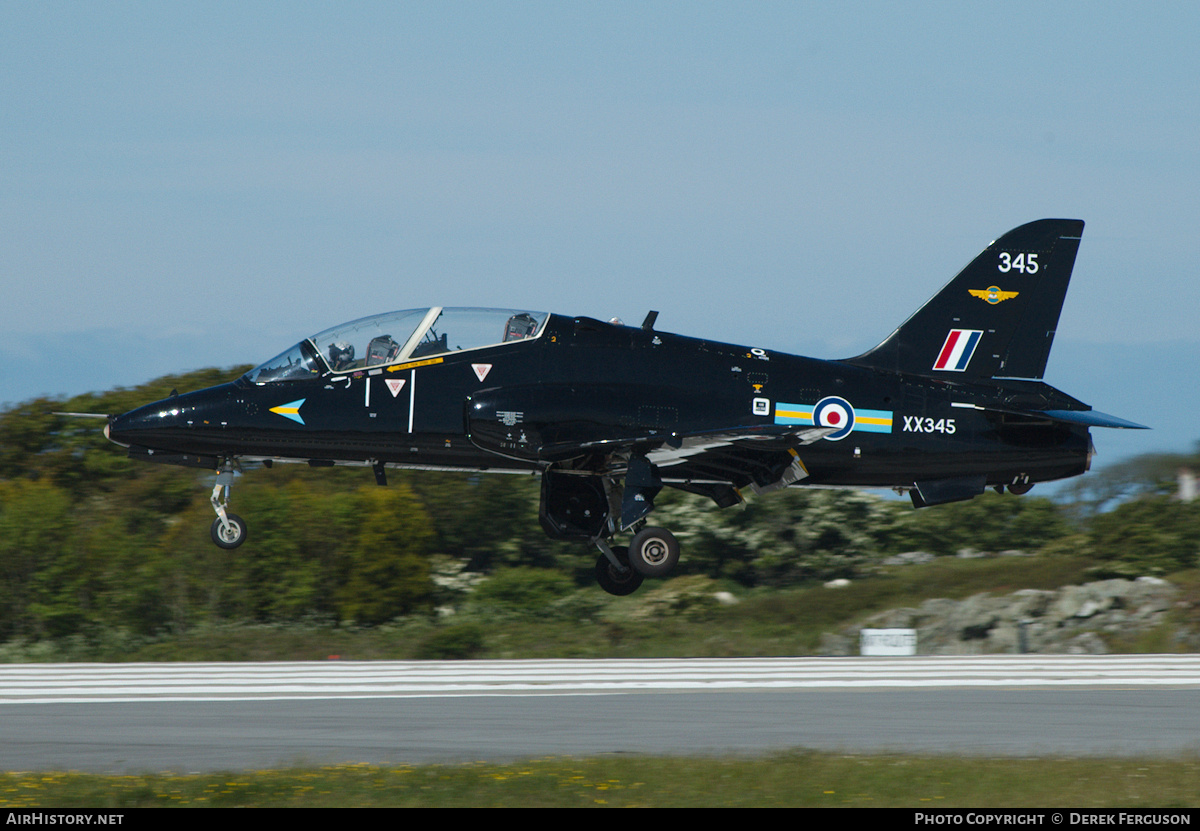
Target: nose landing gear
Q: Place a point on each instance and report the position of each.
(228, 530)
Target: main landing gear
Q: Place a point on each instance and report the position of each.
(613, 572)
(583, 505)
(653, 552)
(621, 569)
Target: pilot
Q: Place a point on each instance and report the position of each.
(341, 355)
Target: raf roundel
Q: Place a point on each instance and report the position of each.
(833, 411)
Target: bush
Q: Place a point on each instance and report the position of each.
(454, 642)
(525, 590)
(1154, 535)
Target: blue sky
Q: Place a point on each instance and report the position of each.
(188, 185)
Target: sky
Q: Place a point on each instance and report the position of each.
(185, 185)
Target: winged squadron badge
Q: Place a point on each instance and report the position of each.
(993, 295)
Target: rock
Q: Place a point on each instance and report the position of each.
(909, 558)
(832, 645)
(1071, 620)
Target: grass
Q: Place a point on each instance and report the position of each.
(798, 779)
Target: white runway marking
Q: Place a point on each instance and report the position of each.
(45, 683)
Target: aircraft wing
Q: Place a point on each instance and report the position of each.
(611, 429)
(672, 448)
(700, 443)
(714, 463)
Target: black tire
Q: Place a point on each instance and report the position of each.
(617, 582)
(653, 552)
(1021, 490)
(234, 536)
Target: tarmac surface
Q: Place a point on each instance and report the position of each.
(205, 717)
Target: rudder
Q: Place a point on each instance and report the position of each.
(997, 317)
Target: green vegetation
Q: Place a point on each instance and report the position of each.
(104, 558)
(789, 779)
(675, 618)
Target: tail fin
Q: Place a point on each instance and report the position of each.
(997, 317)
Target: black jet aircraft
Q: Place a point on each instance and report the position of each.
(949, 404)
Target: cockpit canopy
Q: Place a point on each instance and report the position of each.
(394, 337)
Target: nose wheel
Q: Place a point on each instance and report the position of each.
(228, 530)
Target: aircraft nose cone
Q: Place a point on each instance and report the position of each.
(135, 426)
(187, 424)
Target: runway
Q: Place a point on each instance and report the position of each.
(197, 717)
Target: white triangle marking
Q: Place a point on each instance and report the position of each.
(481, 370)
(395, 385)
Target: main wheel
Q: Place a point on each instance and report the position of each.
(617, 582)
(653, 552)
(231, 535)
(1022, 489)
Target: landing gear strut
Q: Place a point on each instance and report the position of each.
(228, 530)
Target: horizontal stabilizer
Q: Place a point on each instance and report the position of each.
(1088, 418)
(1092, 418)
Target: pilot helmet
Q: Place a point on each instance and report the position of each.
(341, 354)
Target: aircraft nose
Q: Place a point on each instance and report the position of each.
(135, 426)
(189, 424)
